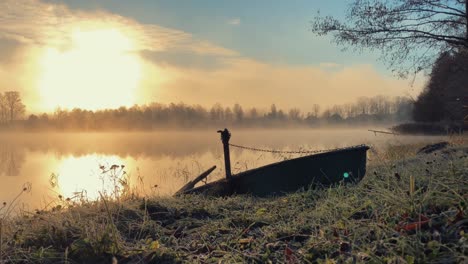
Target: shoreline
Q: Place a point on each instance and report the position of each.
(409, 207)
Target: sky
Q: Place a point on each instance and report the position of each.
(106, 54)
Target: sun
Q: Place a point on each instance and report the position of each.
(98, 71)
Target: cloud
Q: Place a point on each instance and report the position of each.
(177, 65)
(330, 65)
(8, 49)
(18, 72)
(183, 59)
(234, 21)
(256, 84)
(44, 24)
(29, 27)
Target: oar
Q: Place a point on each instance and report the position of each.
(191, 184)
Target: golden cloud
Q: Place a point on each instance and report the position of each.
(36, 22)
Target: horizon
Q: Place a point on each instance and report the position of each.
(94, 56)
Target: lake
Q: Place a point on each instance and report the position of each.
(77, 165)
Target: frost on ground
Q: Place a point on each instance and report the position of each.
(409, 208)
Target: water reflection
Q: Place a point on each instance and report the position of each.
(150, 144)
(89, 175)
(156, 163)
(11, 159)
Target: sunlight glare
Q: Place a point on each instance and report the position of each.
(82, 174)
(97, 72)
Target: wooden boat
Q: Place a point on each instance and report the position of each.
(318, 170)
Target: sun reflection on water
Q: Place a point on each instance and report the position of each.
(90, 175)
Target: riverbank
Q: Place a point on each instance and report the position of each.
(410, 208)
(415, 128)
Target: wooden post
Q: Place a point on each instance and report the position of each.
(225, 136)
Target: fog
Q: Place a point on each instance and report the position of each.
(376, 111)
(157, 163)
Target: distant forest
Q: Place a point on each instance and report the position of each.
(379, 109)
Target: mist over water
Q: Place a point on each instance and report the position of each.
(156, 163)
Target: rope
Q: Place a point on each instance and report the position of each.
(294, 152)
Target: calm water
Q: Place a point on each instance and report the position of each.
(155, 163)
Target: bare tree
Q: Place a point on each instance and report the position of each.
(295, 114)
(409, 33)
(363, 105)
(3, 110)
(228, 114)
(217, 112)
(273, 112)
(316, 110)
(238, 113)
(14, 105)
(253, 113)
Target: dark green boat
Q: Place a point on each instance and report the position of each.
(318, 170)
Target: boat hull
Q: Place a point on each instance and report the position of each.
(319, 170)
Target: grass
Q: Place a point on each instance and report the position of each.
(410, 208)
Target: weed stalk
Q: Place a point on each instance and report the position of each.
(111, 220)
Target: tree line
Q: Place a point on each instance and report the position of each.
(11, 107)
(181, 115)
